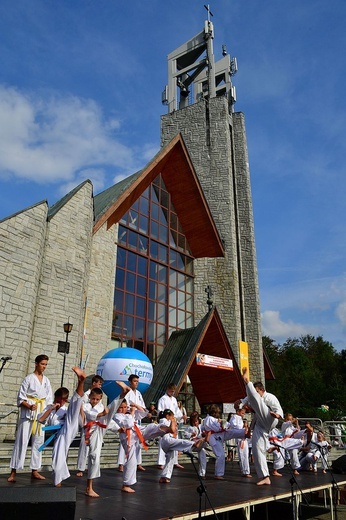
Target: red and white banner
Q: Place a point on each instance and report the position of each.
(213, 361)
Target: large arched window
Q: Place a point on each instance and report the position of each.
(154, 274)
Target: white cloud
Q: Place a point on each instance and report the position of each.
(274, 327)
(52, 139)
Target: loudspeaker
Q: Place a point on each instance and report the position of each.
(339, 465)
(18, 502)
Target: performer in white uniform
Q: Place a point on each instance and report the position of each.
(193, 432)
(95, 427)
(35, 393)
(267, 410)
(68, 419)
(237, 421)
(130, 436)
(134, 396)
(168, 402)
(83, 450)
(170, 444)
(217, 434)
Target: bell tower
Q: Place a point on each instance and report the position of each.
(200, 99)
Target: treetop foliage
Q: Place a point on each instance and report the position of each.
(309, 373)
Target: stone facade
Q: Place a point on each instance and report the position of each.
(216, 142)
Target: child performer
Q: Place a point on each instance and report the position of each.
(131, 435)
(193, 432)
(217, 434)
(282, 447)
(170, 444)
(96, 424)
(67, 418)
(319, 449)
(83, 450)
(35, 393)
(237, 421)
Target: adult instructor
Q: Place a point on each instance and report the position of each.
(35, 393)
(267, 410)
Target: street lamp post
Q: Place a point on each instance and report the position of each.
(66, 348)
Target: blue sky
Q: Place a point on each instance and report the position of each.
(80, 97)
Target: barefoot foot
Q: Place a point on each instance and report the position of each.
(264, 481)
(79, 474)
(275, 473)
(164, 480)
(127, 489)
(36, 475)
(91, 493)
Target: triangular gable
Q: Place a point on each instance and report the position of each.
(175, 166)
(210, 385)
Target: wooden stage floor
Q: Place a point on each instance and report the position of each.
(178, 500)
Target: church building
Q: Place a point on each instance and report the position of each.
(163, 262)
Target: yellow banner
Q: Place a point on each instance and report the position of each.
(244, 356)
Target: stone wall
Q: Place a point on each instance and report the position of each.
(63, 285)
(216, 142)
(100, 296)
(22, 239)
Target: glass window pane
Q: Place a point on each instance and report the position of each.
(180, 262)
(128, 329)
(155, 211)
(162, 273)
(173, 297)
(189, 303)
(161, 334)
(132, 239)
(152, 310)
(122, 235)
(129, 304)
(189, 284)
(133, 218)
(172, 277)
(154, 230)
(121, 257)
(131, 261)
(153, 270)
(152, 290)
(154, 249)
(164, 199)
(161, 313)
(181, 319)
(142, 265)
(143, 224)
(181, 281)
(141, 286)
(142, 244)
(119, 300)
(140, 306)
(181, 300)
(163, 254)
(139, 328)
(172, 317)
(151, 331)
(119, 278)
(130, 282)
(161, 292)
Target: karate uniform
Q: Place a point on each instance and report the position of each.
(285, 445)
(195, 432)
(236, 421)
(97, 433)
(168, 403)
(171, 445)
(263, 423)
(34, 392)
(217, 439)
(83, 451)
(133, 396)
(68, 418)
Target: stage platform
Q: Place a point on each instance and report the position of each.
(235, 497)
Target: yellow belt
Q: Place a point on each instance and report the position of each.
(37, 427)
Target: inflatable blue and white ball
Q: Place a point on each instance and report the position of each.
(118, 364)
